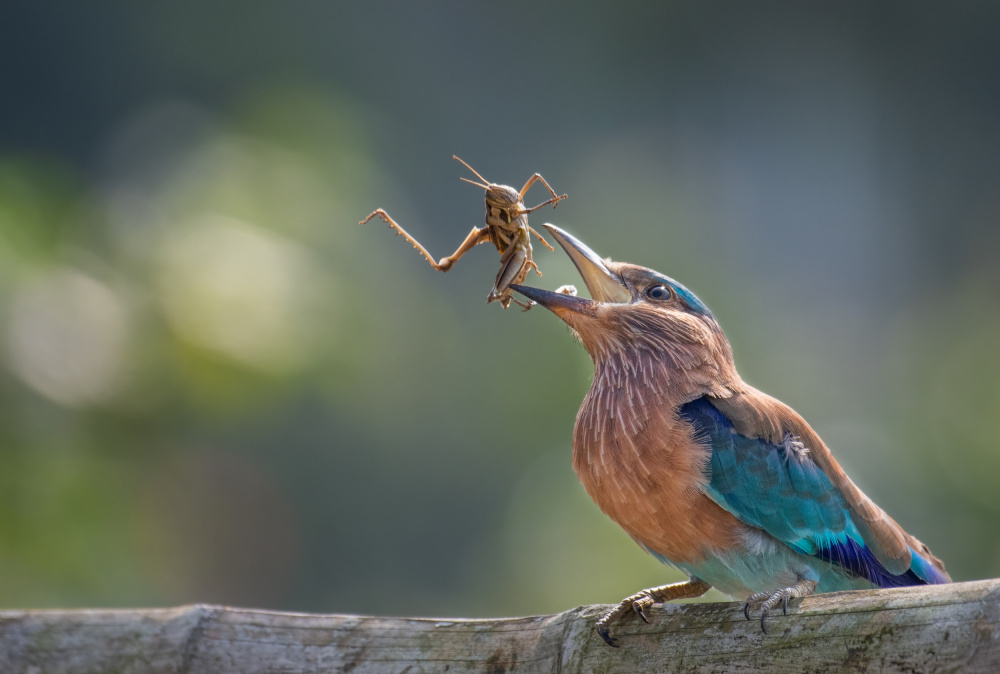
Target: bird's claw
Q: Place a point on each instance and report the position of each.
(637, 603)
(768, 600)
(602, 631)
(640, 602)
(639, 609)
(753, 601)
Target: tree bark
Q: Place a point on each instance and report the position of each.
(941, 628)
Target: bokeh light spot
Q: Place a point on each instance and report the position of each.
(240, 291)
(67, 338)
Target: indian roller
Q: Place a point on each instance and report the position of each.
(702, 470)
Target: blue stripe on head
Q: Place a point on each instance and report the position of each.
(686, 296)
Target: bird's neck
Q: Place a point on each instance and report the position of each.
(635, 396)
(675, 375)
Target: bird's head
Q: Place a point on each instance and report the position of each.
(638, 316)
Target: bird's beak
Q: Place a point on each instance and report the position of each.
(558, 303)
(602, 284)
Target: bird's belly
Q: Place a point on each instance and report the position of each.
(765, 565)
(648, 477)
(669, 517)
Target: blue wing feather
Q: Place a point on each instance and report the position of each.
(778, 488)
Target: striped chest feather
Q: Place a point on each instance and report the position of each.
(640, 462)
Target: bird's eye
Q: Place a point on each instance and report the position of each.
(658, 293)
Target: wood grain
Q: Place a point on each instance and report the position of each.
(942, 628)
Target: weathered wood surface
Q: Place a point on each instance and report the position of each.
(948, 628)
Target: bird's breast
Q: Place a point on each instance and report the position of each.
(643, 466)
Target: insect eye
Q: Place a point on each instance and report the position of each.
(658, 293)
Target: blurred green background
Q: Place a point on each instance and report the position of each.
(217, 387)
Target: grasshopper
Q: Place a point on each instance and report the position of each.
(506, 228)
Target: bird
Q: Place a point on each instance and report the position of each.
(702, 470)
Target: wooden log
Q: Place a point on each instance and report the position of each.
(943, 628)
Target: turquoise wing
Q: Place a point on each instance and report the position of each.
(778, 488)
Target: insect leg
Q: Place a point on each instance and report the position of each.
(554, 200)
(522, 304)
(477, 236)
(540, 238)
(402, 232)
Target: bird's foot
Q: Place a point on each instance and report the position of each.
(768, 600)
(639, 602)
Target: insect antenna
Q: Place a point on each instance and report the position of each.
(474, 171)
(473, 182)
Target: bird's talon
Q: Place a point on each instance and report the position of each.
(641, 601)
(603, 632)
(763, 621)
(746, 609)
(637, 607)
(784, 604)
